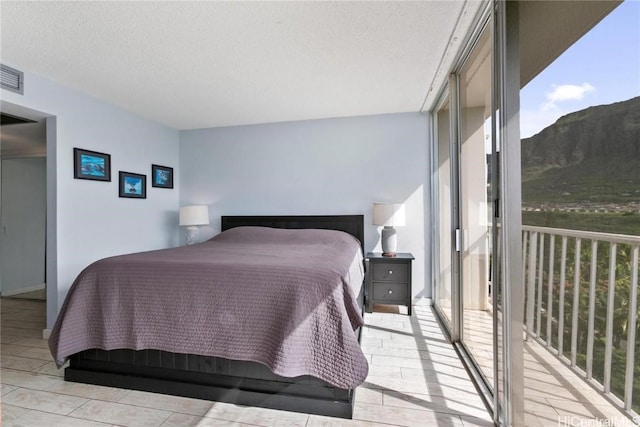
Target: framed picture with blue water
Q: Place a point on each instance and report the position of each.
(91, 165)
(161, 176)
(132, 185)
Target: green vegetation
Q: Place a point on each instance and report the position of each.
(615, 181)
(620, 312)
(617, 223)
(586, 161)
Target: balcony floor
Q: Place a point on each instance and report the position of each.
(553, 393)
(415, 379)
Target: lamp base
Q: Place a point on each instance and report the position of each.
(389, 241)
(192, 234)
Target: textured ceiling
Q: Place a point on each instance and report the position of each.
(205, 64)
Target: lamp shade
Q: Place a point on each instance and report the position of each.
(389, 214)
(194, 215)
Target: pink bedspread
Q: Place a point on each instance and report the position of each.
(283, 298)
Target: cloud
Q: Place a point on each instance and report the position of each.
(561, 93)
(533, 120)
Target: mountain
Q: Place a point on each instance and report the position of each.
(589, 158)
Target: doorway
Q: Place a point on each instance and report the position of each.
(23, 203)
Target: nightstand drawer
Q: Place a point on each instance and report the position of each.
(390, 272)
(391, 292)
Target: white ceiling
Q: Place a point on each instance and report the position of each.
(205, 64)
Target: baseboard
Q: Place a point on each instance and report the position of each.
(422, 302)
(46, 333)
(31, 288)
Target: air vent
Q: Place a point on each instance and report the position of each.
(12, 79)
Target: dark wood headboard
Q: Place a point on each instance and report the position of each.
(352, 224)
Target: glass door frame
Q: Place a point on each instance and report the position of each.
(451, 323)
(489, 390)
(506, 80)
(505, 396)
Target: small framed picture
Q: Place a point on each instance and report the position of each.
(91, 165)
(161, 176)
(133, 185)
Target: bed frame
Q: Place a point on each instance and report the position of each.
(218, 379)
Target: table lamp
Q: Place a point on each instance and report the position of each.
(389, 215)
(192, 217)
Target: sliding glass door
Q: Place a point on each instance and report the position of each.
(482, 315)
(478, 246)
(464, 151)
(476, 169)
(475, 153)
(444, 258)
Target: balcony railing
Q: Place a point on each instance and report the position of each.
(581, 304)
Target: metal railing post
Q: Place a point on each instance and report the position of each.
(563, 270)
(592, 307)
(576, 303)
(540, 281)
(533, 245)
(631, 330)
(552, 248)
(609, 327)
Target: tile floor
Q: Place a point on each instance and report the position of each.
(415, 379)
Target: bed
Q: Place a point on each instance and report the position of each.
(307, 360)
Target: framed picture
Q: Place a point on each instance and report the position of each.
(133, 185)
(91, 165)
(161, 176)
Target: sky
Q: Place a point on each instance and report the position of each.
(601, 68)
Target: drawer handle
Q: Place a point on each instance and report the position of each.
(390, 272)
(390, 291)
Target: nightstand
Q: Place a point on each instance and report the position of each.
(389, 280)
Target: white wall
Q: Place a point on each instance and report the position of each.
(91, 221)
(317, 167)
